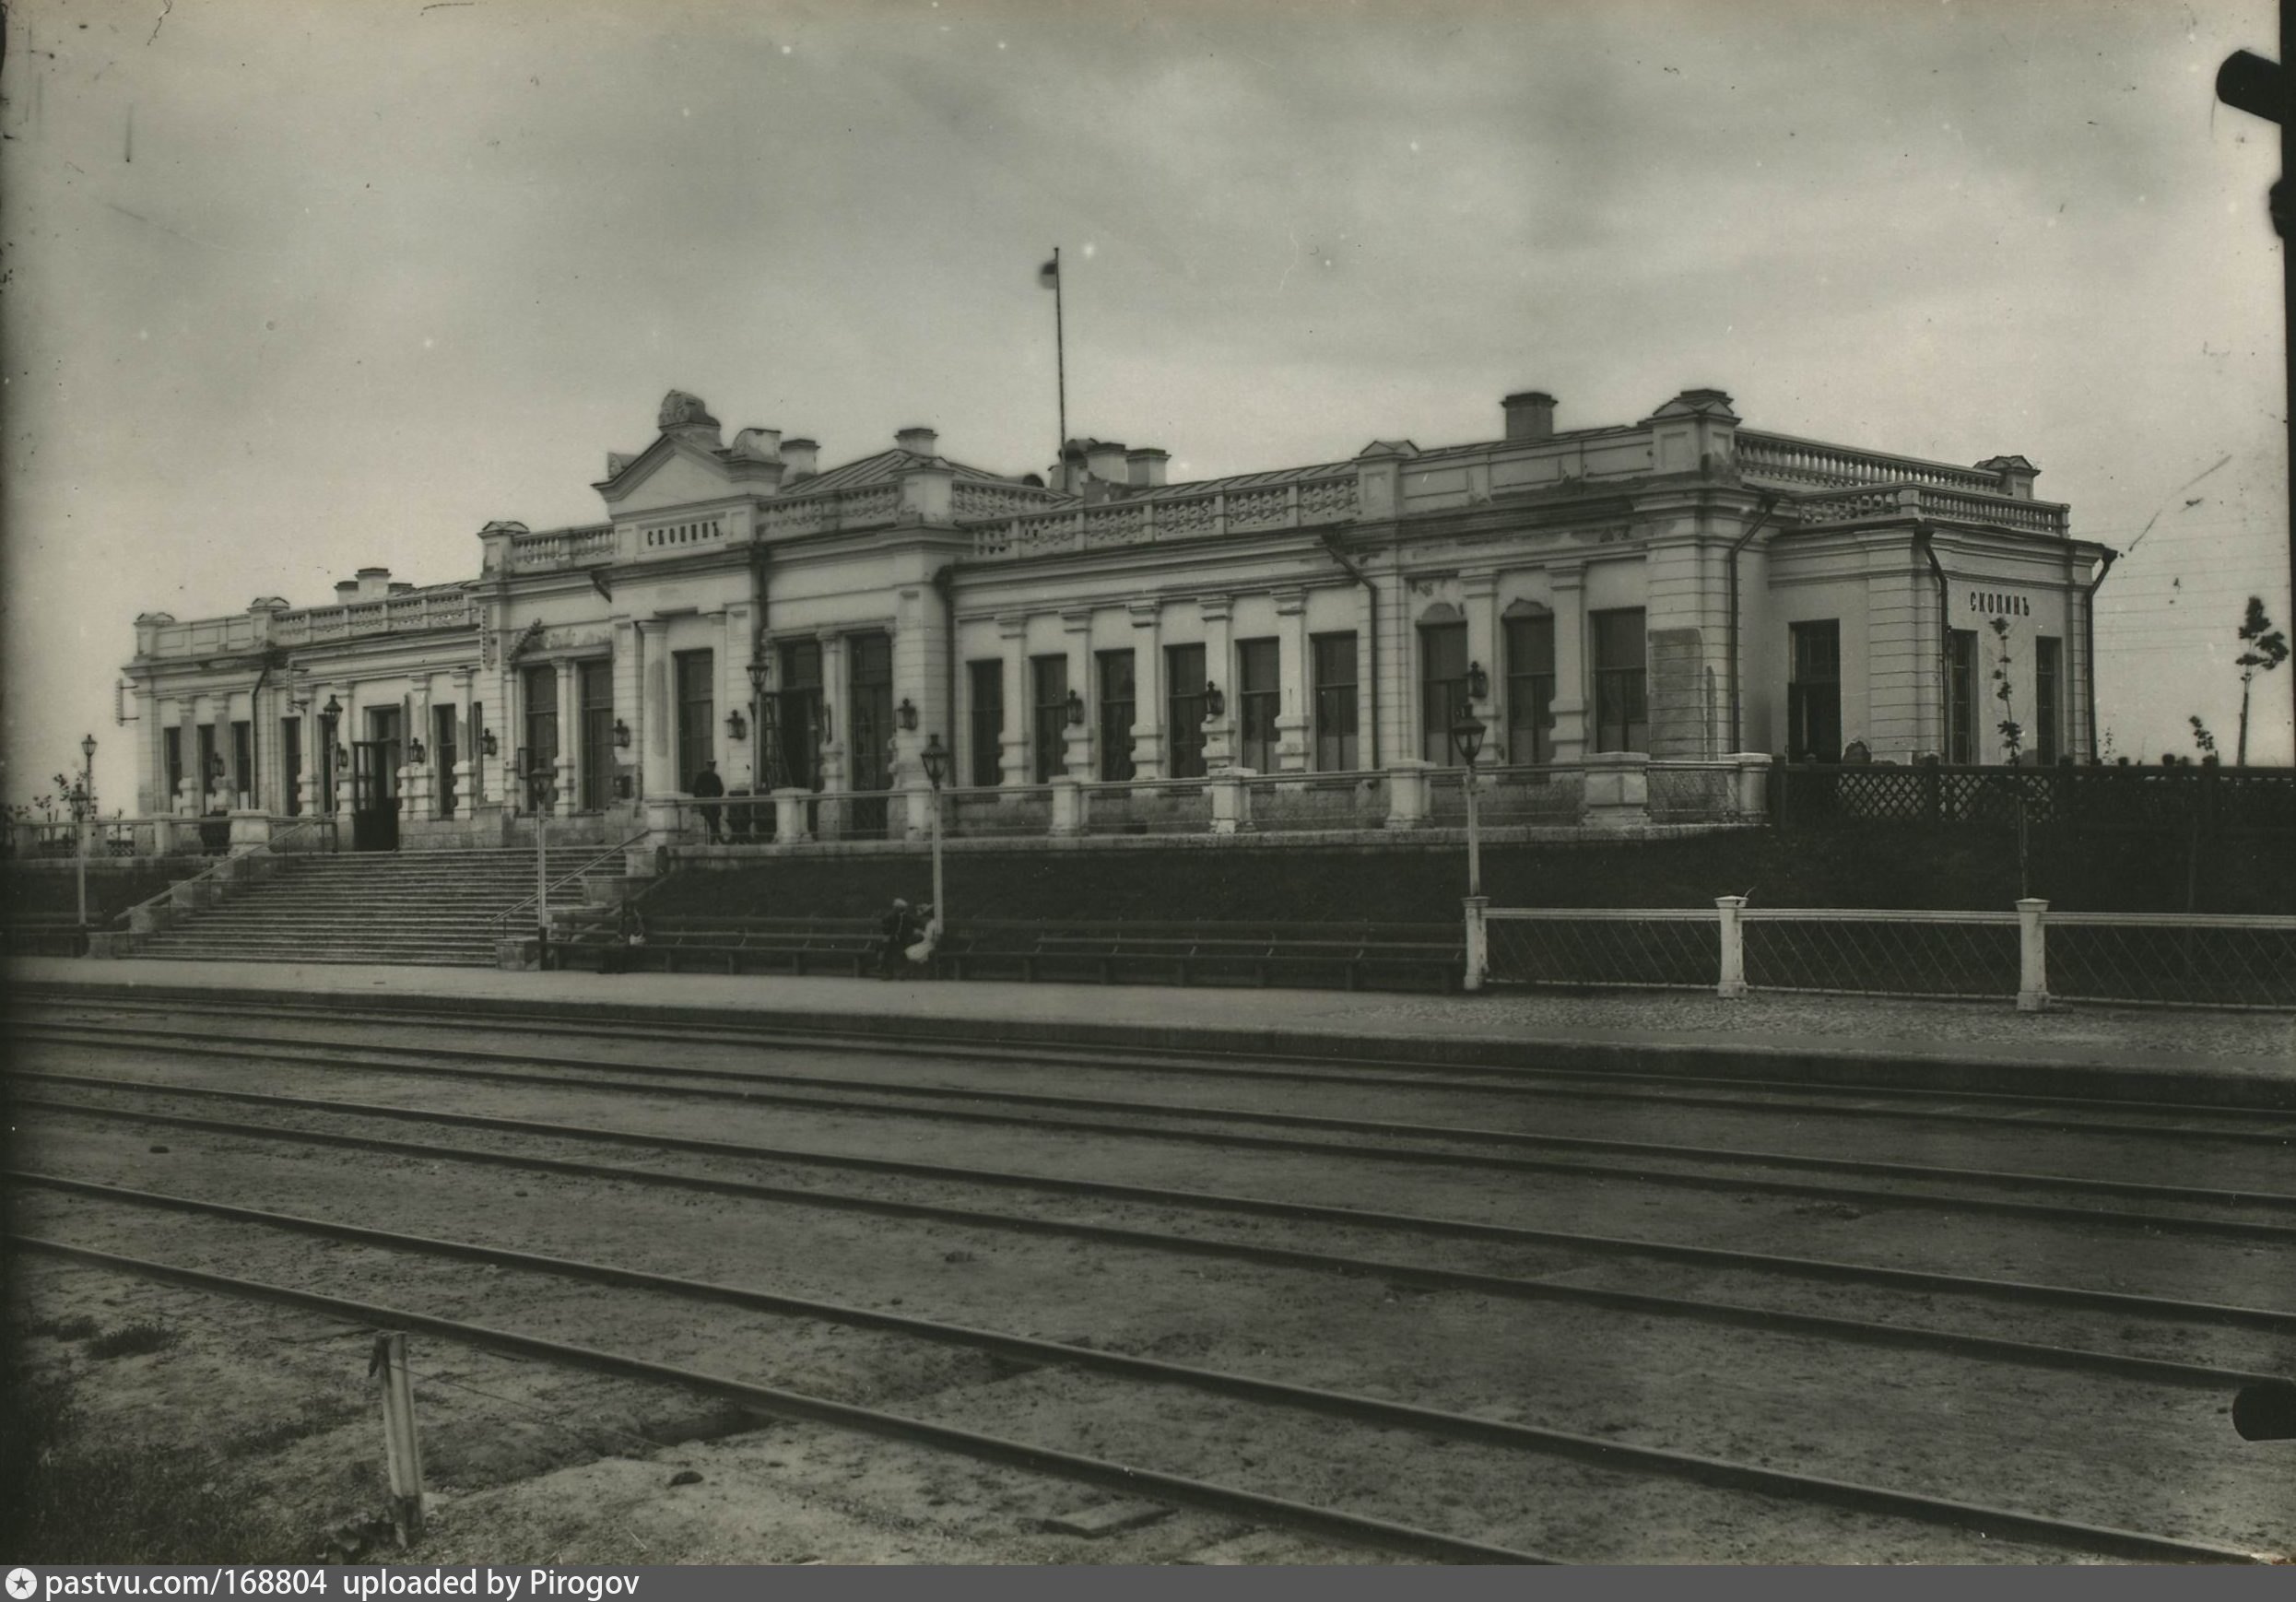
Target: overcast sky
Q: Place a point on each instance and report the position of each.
(294, 287)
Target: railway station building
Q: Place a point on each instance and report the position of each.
(1612, 602)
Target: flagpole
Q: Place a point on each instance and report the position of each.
(1060, 369)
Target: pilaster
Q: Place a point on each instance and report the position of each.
(1012, 634)
(1147, 689)
(656, 726)
(1291, 721)
(1569, 583)
(1219, 730)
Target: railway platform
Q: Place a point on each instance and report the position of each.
(2231, 1059)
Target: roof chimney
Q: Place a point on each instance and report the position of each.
(373, 582)
(1104, 459)
(346, 590)
(800, 456)
(1145, 467)
(1530, 416)
(917, 441)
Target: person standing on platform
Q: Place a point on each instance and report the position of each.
(707, 787)
(898, 928)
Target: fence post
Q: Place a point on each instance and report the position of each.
(1733, 983)
(1478, 942)
(401, 1449)
(2033, 955)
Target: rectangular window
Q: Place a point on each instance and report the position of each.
(210, 765)
(1961, 698)
(2048, 692)
(1050, 681)
(594, 692)
(1259, 699)
(443, 756)
(1183, 708)
(538, 687)
(697, 706)
(1621, 702)
(1116, 715)
(1333, 663)
(243, 764)
(794, 744)
(1813, 693)
(171, 751)
(988, 725)
(1531, 689)
(1442, 689)
(869, 711)
(290, 766)
(478, 753)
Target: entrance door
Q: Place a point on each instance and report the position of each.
(374, 787)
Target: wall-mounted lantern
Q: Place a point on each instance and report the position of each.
(416, 755)
(489, 743)
(906, 715)
(1076, 710)
(1215, 703)
(737, 726)
(621, 735)
(1477, 682)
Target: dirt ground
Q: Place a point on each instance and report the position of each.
(533, 1461)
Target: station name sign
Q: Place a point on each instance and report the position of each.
(2000, 606)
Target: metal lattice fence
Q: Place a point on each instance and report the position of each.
(1971, 955)
(2176, 961)
(1661, 948)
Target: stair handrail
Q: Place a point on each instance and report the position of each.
(503, 917)
(220, 863)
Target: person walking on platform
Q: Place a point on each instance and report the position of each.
(707, 787)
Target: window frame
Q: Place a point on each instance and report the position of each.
(1259, 705)
(1337, 701)
(1116, 712)
(1530, 689)
(985, 721)
(1621, 693)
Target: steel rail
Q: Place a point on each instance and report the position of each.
(1708, 1256)
(1381, 1533)
(1566, 1082)
(2241, 1229)
(1416, 1275)
(1616, 1456)
(1501, 1082)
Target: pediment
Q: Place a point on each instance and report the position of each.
(668, 474)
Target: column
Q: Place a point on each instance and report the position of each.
(628, 705)
(649, 672)
(341, 692)
(1147, 689)
(836, 714)
(1220, 746)
(1571, 703)
(191, 789)
(416, 785)
(1369, 750)
(1012, 632)
(1480, 591)
(569, 713)
(1080, 740)
(469, 762)
(741, 767)
(1291, 720)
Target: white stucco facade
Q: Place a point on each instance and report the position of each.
(1682, 585)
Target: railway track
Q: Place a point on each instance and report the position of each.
(2250, 1218)
(1990, 1522)
(2266, 1127)
(1450, 1145)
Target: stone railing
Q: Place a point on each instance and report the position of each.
(1991, 508)
(562, 547)
(973, 501)
(252, 631)
(826, 513)
(1785, 459)
(1207, 514)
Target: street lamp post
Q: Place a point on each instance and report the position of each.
(87, 810)
(936, 758)
(1467, 737)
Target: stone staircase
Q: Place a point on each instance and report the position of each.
(432, 908)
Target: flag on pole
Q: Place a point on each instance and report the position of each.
(1048, 276)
